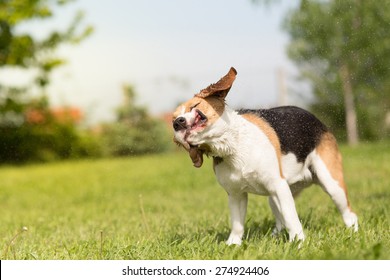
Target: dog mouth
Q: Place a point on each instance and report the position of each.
(199, 122)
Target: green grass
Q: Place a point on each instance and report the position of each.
(160, 207)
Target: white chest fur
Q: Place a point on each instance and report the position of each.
(249, 160)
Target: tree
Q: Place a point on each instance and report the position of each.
(23, 51)
(22, 139)
(27, 52)
(343, 48)
(135, 131)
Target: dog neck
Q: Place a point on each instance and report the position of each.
(223, 138)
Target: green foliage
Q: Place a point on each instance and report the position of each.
(86, 145)
(161, 207)
(30, 132)
(23, 50)
(44, 138)
(328, 36)
(135, 132)
(147, 137)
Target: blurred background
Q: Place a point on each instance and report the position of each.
(95, 79)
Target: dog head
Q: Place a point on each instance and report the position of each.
(194, 118)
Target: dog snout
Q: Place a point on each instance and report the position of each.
(179, 124)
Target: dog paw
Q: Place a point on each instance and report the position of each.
(351, 221)
(297, 238)
(300, 236)
(275, 232)
(234, 240)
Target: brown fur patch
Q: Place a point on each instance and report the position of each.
(330, 155)
(270, 133)
(211, 107)
(221, 88)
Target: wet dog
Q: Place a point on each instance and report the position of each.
(272, 152)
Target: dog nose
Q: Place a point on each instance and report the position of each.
(179, 123)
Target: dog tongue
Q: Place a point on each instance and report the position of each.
(196, 156)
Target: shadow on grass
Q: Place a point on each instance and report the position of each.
(253, 231)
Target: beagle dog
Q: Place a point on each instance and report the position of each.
(272, 152)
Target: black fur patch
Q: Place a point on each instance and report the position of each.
(298, 130)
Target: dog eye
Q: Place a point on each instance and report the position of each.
(194, 106)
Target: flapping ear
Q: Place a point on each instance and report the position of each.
(221, 88)
(195, 153)
(196, 156)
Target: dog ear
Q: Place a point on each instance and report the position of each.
(221, 88)
(196, 156)
(195, 153)
(185, 146)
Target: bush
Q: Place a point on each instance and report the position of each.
(31, 131)
(124, 139)
(87, 145)
(135, 132)
(42, 143)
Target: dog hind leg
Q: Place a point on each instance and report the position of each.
(282, 199)
(278, 217)
(327, 164)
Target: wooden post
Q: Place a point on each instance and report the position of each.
(349, 104)
(282, 87)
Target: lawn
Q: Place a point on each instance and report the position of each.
(160, 207)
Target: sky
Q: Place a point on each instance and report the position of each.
(168, 50)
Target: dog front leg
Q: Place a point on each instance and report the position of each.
(238, 205)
